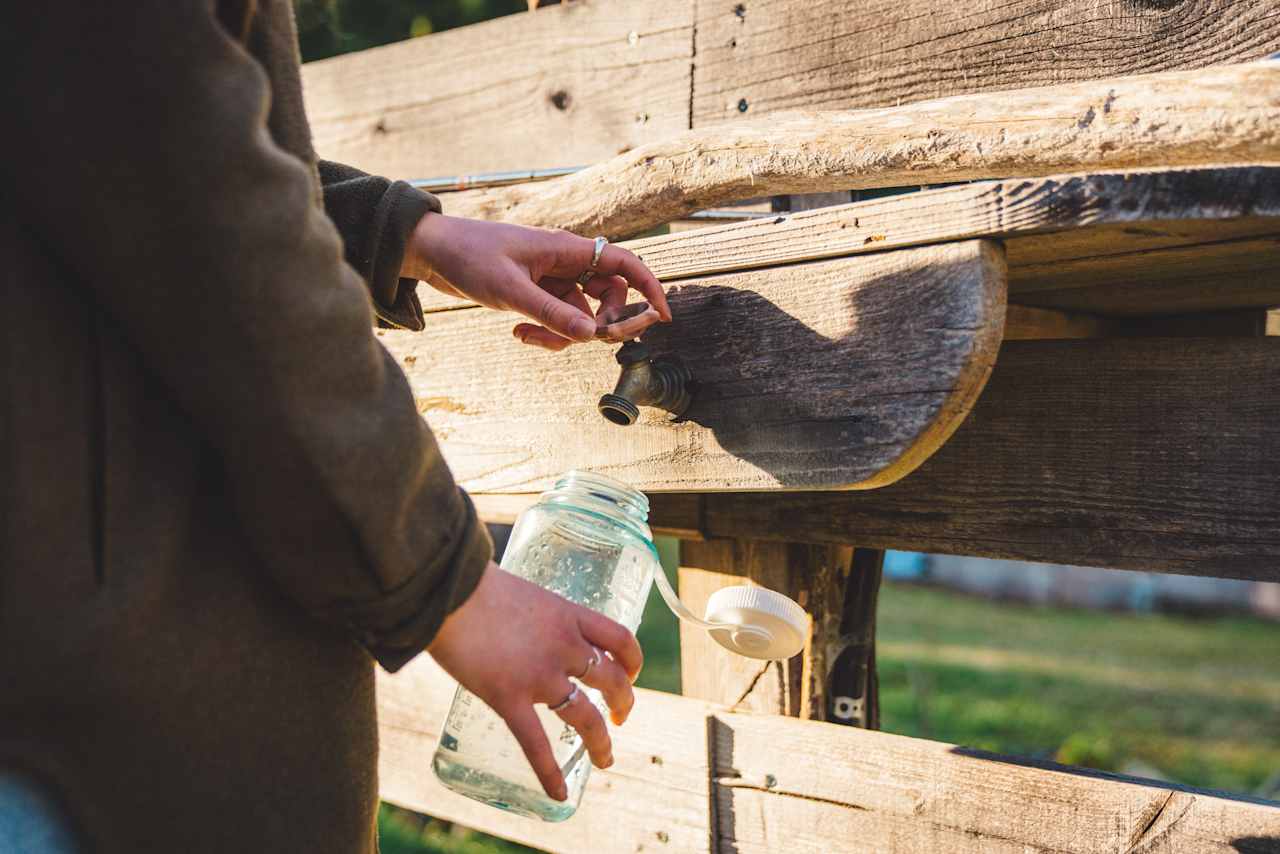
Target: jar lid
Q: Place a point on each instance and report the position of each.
(762, 623)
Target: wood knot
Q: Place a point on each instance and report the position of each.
(560, 99)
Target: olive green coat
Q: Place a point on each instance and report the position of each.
(218, 503)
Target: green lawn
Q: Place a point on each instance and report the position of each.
(1191, 700)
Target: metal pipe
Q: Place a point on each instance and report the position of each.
(491, 179)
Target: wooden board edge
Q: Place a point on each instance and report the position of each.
(972, 379)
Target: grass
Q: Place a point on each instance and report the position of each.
(1193, 700)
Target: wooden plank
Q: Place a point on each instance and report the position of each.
(1224, 116)
(839, 373)
(691, 777)
(1239, 273)
(570, 85)
(1151, 454)
(1025, 323)
(655, 797)
(806, 786)
(1134, 243)
(770, 55)
(678, 515)
(1045, 222)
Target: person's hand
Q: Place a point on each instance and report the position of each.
(513, 644)
(533, 271)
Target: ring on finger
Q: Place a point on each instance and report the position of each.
(591, 662)
(598, 250)
(564, 704)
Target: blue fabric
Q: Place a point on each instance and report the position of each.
(30, 821)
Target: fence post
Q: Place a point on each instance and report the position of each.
(834, 677)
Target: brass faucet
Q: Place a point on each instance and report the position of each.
(662, 382)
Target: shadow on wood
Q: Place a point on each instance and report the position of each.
(843, 373)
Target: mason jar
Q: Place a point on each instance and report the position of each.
(587, 539)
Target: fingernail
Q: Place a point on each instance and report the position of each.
(608, 763)
(582, 329)
(562, 794)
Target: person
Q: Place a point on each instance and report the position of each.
(220, 504)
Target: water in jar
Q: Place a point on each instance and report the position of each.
(588, 541)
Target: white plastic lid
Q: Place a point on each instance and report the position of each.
(765, 623)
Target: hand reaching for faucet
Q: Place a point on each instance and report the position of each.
(534, 271)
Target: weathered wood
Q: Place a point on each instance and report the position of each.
(839, 373)
(1025, 323)
(1209, 237)
(833, 679)
(690, 777)
(1221, 116)
(656, 795)
(710, 672)
(570, 85)
(677, 515)
(770, 55)
(1152, 454)
(1238, 273)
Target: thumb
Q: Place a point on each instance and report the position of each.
(552, 311)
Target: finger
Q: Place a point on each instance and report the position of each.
(616, 261)
(567, 290)
(614, 639)
(540, 336)
(611, 291)
(523, 722)
(552, 312)
(573, 255)
(628, 328)
(608, 677)
(585, 718)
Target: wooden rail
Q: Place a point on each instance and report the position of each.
(1175, 118)
(1150, 454)
(578, 83)
(690, 777)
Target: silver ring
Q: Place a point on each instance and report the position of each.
(587, 274)
(592, 662)
(601, 243)
(573, 695)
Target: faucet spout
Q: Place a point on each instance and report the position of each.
(661, 382)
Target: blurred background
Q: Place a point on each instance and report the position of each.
(1170, 677)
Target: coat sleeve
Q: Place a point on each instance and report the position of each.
(375, 217)
(143, 161)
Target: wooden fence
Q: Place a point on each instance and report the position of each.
(1066, 358)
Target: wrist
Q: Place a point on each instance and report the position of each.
(418, 250)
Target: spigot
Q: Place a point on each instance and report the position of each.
(660, 382)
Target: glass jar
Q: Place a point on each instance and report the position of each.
(588, 539)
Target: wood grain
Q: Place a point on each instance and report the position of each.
(691, 777)
(1135, 243)
(776, 55)
(570, 85)
(1223, 116)
(710, 672)
(1151, 454)
(656, 796)
(839, 373)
